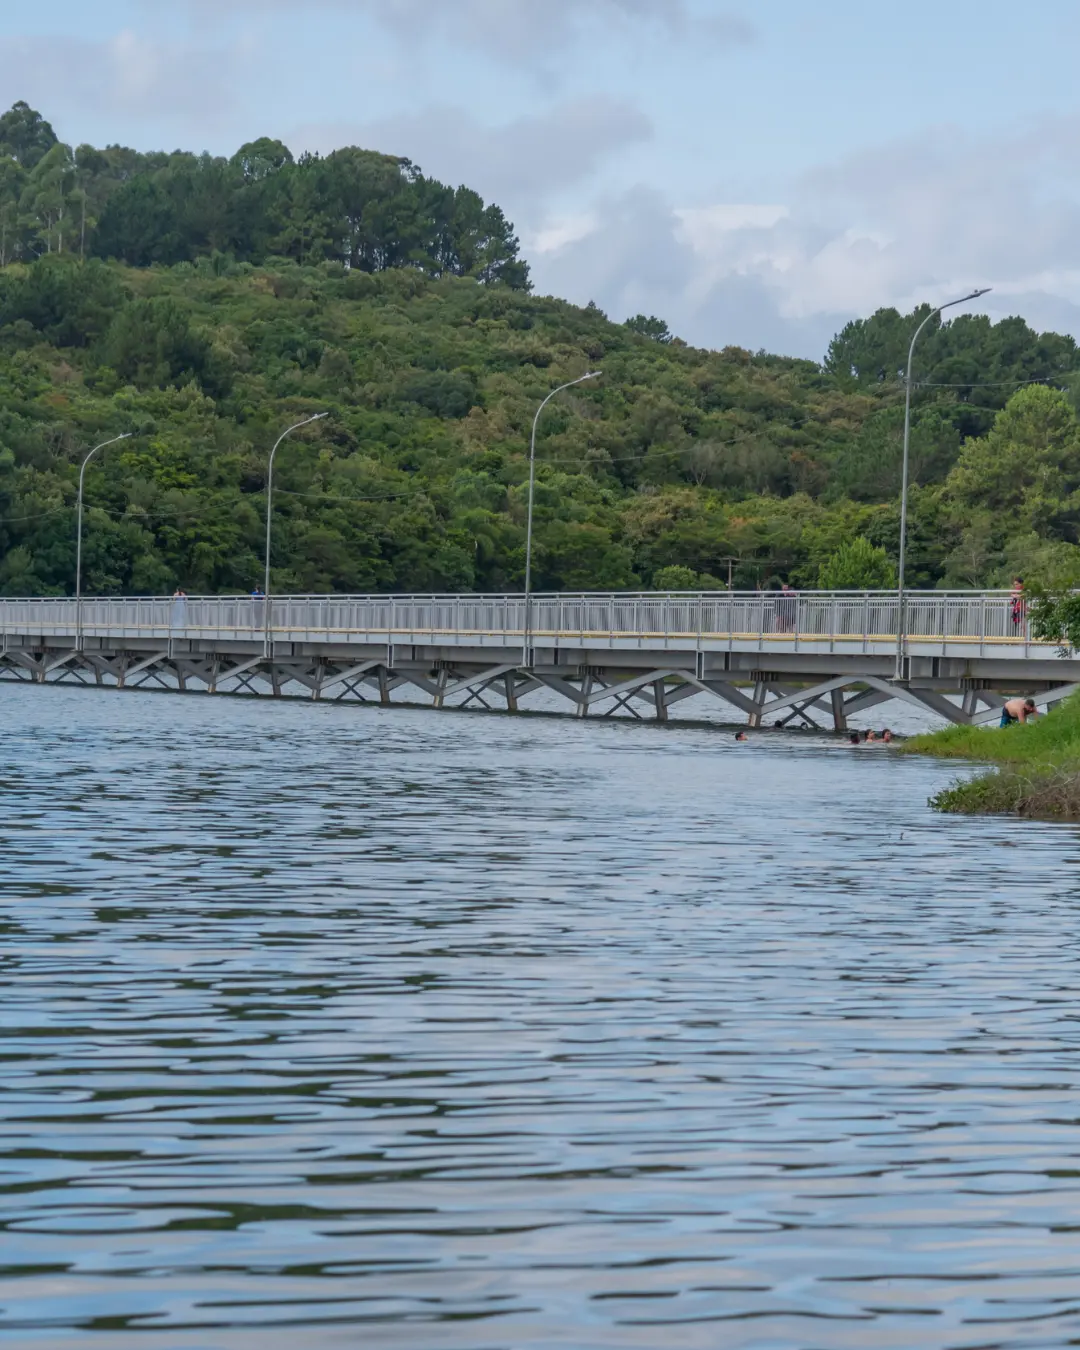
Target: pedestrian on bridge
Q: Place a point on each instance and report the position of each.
(786, 609)
(1018, 606)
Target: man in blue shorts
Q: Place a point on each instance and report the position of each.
(1018, 710)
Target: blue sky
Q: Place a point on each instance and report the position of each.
(755, 173)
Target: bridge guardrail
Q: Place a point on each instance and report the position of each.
(807, 616)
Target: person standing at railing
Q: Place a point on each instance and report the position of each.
(178, 617)
(1018, 605)
(786, 609)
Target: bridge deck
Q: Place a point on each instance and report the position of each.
(760, 653)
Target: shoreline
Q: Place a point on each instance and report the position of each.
(1030, 770)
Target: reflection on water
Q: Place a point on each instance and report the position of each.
(348, 1027)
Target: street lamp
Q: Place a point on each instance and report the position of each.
(589, 375)
(315, 417)
(78, 538)
(900, 600)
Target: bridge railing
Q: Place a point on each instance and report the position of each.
(781, 617)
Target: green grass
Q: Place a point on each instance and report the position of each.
(1038, 773)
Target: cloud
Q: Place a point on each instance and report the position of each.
(125, 73)
(524, 32)
(922, 219)
(518, 164)
(636, 253)
(517, 32)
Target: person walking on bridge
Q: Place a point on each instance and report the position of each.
(1018, 710)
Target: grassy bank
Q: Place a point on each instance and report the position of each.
(1037, 771)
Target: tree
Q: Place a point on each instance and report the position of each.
(48, 198)
(649, 326)
(25, 135)
(967, 360)
(1026, 470)
(259, 159)
(857, 566)
(151, 344)
(68, 304)
(674, 578)
(12, 226)
(869, 466)
(139, 225)
(357, 284)
(685, 579)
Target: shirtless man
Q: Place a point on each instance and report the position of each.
(1018, 710)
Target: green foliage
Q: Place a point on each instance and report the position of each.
(677, 458)
(676, 578)
(1055, 617)
(203, 303)
(1053, 738)
(68, 306)
(1027, 466)
(1015, 492)
(366, 211)
(968, 356)
(649, 326)
(25, 135)
(150, 344)
(1045, 794)
(857, 566)
(1039, 772)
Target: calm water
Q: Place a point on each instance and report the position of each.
(357, 1028)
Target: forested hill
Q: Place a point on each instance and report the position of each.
(679, 467)
(366, 210)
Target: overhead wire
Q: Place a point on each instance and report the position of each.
(979, 384)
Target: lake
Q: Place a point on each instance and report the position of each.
(338, 1026)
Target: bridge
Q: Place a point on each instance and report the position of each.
(811, 658)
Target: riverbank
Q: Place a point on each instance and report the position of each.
(1036, 773)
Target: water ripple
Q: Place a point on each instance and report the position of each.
(336, 1026)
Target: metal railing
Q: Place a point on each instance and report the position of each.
(807, 617)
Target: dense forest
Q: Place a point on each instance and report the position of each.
(201, 304)
(368, 211)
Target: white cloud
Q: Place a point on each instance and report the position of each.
(640, 256)
(924, 219)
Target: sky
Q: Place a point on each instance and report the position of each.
(756, 174)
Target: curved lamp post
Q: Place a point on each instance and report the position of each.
(589, 375)
(78, 537)
(901, 616)
(315, 417)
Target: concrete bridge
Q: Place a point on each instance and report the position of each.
(810, 658)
